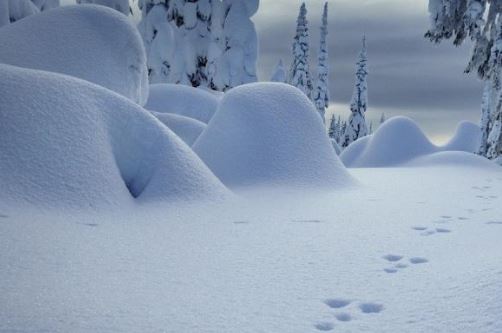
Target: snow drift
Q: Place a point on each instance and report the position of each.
(467, 138)
(188, 129)
(400, 140)
(183, 100)
(93, 43)
(269, 134)
(68, 142)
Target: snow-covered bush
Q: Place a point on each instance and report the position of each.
(69, 143)
(14, 10)
(93, 43)
(186, 101)
(269, 134)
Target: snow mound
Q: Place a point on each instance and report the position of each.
(183, 100)
(270, 134)
(452, 158)
(188, 129)
(467, 138)
(397, 141)
(67, 142)
(350, 154)
(94, 43)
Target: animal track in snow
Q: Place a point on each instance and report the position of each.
(419, 228)
(418, 260)
(392, 257)
(306, 221)
(324, 326)
(3, 216)
(240, 222)
(494, 223)
(370, 308)
(343, 317)
(337, 303)
(442, 230)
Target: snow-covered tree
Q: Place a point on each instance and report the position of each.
(14, 10)
(321, 94)
(382, 118)
(299, 73)
(120, 5)
(158, 38)
(356, 127)
(335, 128)
(480, 21)
(208, 43)
(279, 74)
(46, 4)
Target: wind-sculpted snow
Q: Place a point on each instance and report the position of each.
(467, 138)
(270, 134)
(94, 43)
(183, 100)
(188, 129)
(67, 142)
(400, 140)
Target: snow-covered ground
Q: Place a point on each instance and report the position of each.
(392, 255)
(111, 222)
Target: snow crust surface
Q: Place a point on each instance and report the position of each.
(66, 142)
(91, 42)
(183, 100)
(270, 133)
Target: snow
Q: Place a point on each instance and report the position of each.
(183, 100)
(108, 47)
(188, 129)
(254, 139)
(68, 143)
(467, 138)
(400, 140)
(120, 5)
(268, 264)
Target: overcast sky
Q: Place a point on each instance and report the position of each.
(408, 74)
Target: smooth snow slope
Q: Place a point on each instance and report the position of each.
(91, 42)
(183, 100)
(69, 143)
(270, 134)
(400, 140)
(188, 129)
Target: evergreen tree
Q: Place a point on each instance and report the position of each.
(332, 127)
(382, 118)
(478, 20)
(158, 38)
(299, 74)
(321, 93)
(356, 127)
(279, 74)
(14, 10)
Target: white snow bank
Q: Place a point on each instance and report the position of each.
(453, 158)
(68, 142)
(120, 5)
(94, 43)
(467, 138)
(400, 140)
(183, 100)
(269, 134)
(188, 129)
